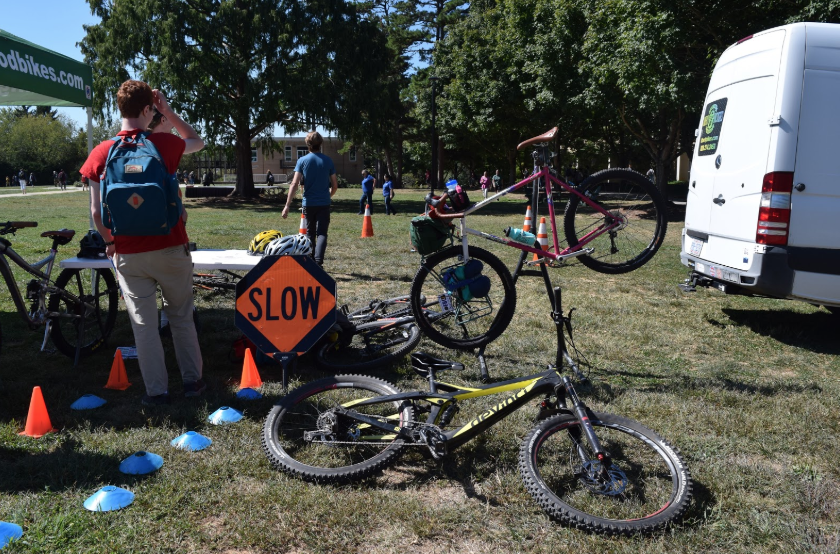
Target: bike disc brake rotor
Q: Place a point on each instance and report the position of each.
(611, 482)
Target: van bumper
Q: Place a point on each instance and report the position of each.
(768, 275)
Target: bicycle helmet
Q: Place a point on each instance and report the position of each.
(289, 246)
(92, 246)
(258, 244)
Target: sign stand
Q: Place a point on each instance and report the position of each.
(286, 359)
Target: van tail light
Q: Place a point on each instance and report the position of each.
(774, 211)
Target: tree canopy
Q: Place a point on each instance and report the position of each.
(235, 68)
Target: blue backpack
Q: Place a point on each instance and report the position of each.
(139, 196)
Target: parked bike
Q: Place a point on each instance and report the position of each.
(78, 309)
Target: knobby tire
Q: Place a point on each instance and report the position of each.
(658, 484)
(352, 451)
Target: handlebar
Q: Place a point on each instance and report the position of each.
(12, 226)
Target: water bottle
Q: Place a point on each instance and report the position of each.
(518, 235)
(452, 186)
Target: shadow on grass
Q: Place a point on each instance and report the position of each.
(816, 332)
(64, 468)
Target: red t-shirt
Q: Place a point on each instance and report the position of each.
(171, 149)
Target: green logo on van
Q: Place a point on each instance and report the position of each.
(710, 127)
(713, 117)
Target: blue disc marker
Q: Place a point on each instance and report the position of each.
(88, 402)
(9, 532)
(191, 441)
(224, 415)
(109, 498)
(141, 463)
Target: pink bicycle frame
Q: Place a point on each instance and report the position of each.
(568, 252)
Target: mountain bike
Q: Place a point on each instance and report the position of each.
(78, 309)
(595, 471)
(614, 222)
(370, 337)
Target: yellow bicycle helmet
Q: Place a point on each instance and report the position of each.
(258, 244)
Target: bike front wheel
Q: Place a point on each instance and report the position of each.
(636, 220)
(445, 316)
(304, 436)
(645, 487)
(97, 311)
(372, 345)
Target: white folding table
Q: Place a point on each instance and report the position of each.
(202, 259)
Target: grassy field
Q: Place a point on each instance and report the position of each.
(747, 388)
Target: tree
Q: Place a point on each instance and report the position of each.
(649, 62)
(235, 68)
(38, 144)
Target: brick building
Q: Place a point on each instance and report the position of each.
(347, 165)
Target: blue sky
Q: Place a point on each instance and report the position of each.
(53, 24)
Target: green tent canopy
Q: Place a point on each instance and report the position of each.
(35, 76)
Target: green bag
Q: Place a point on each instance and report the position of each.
(429, 235)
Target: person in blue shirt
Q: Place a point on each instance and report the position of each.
(388, 193)
(368, 184)
(317, 172)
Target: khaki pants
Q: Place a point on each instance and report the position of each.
(140, 275)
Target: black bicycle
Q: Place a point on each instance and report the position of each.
(78, 309)
(594, 471)
(370, 337)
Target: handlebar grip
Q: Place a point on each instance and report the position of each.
(22, 224)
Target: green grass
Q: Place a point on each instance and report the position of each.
(747, 388)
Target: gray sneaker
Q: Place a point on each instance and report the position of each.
(157, 400)
(194, 388)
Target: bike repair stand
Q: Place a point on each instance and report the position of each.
(561, 322)
(482, 363)
(286, 359)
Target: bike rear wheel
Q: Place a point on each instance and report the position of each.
(647, 486)
(451, 321)
(633, 202)
(371, 346)
(303, 436)
(100, 301)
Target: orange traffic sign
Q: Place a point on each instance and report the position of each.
(285, 304)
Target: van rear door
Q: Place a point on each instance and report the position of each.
(732, 150)
(814, 224)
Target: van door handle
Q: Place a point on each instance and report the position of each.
(720, 201)
(799, 186)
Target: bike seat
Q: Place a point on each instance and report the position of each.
(423, 363)
(545, 137)
(62, 236)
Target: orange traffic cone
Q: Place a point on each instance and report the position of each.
(542, 238)
(118, 380)
(303, 225)
(250, 375)
(367, 224)
(527, 225)
(38, 421)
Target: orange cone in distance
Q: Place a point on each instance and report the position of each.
(118, 379)
(542, 239)
(367, 224)
(38, 421)
(527, 225)
(303, 225)
(250, 375)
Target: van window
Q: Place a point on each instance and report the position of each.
(710, 127)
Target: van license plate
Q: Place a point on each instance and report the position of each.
(696, 247)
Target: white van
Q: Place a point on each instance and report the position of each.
(763, 211)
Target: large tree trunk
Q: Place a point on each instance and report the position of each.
(244, 172)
